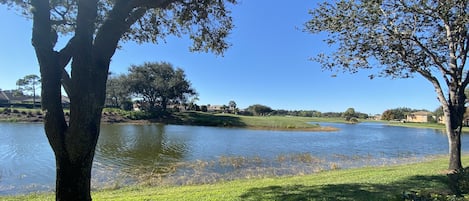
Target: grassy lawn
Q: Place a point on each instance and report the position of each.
(369, 183)
(423, 125)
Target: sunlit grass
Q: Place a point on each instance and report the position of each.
(423, 125)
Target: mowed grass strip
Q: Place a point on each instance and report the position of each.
(290, 123)
(369, 183)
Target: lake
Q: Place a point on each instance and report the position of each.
(174, 154)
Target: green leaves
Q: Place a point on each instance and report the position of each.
(400, 37)
(159, 84)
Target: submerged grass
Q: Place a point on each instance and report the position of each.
(368, 183)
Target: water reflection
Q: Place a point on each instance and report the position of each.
(138, 146)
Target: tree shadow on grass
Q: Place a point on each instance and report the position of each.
(346, 192)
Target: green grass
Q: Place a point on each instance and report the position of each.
(369, 183)
(252, 122)
(423, 125)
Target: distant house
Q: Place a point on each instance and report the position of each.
(8, 98)
(419, 117)
(13, 98)
(3, 98)
(215, 108)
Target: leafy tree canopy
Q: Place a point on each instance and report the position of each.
(207, 22)
(159, 84)
(259, 110)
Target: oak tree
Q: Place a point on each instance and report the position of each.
(159, 84)
(95, 28)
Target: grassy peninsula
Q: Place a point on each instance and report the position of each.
(251, 122)
(368, 183)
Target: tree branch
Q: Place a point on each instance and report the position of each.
(153, 3)
(66, 82)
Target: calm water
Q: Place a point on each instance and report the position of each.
(27, 163)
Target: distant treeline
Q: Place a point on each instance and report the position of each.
(262, 110)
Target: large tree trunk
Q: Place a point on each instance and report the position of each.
(454, 114)
(454, 150)
(73, 179)
(74, 142)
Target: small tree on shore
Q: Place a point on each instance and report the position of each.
(29, 83)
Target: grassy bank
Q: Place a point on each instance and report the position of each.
(369, 183)
(423, 125)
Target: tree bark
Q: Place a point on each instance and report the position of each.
(455, 151)
(454, 117)
(73, 179)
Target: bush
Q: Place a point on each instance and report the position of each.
(139, 115)
(459, 181)
(429, 196)
(7, 111)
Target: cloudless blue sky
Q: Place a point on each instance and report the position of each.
(267, 64)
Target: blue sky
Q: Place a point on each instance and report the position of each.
(267, 64)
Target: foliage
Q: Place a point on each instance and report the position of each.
(159, 84)
(349, 114)
(397, 113)
(118, 93)
(29, 83)
(232, 107)
(402, 38)
(259, 110)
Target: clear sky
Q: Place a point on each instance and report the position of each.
(267, 64)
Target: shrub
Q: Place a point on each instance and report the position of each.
(7, 111)
(459, 181)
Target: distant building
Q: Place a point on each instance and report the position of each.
(419, 117)
(14, 98)
(215, 108)
(10, 97)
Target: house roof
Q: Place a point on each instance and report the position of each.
(10, 96)
(3, 96)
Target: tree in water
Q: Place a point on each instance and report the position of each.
(403, 38)
(96, 27)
